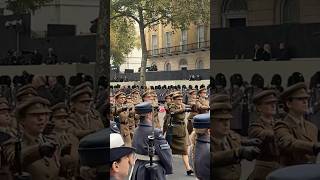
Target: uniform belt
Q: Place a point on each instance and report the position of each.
(147, 158)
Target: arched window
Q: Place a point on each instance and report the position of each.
(234, 13)
(167, 66)
(183, 64)
(290, 11)
(199, 64)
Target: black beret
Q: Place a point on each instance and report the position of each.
(201, 121)
(94, 148)
(143, 108)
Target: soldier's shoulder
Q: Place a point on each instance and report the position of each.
(158, 133)
(281, 123)
(234, 136)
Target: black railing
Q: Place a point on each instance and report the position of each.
(182, 49)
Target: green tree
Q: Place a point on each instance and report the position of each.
(147, 13)
(25, 6)
(122, 39)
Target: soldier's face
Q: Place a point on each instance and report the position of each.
(60, 122)
(203, 94)
(178, 101)
(82, 107)
(168, 100)
(4, 118)
(121, 100)
(35, 123)
(221, 127)
(298, 105)
(267, 108)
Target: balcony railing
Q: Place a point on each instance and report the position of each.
(182, 49)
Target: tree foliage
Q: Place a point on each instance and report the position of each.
(25, 6)
(122, 39)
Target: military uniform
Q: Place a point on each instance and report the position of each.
(226, 152)
(121, 111)
(67, 141)
(295, 137)
(163, 155)
(262, 128)
(41, 167)
(83, 124)
(178, 130)
(131, 116)
(202, 147)
(203, 103)
(192, 102)
(166, 117)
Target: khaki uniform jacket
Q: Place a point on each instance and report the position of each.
(69, 162)
(226, 163)
(268, 160)
(203, 105)
(124, 123)
(83, 125)
(296, 146)
(39, 168)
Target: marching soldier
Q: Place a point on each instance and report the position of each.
(192, 102)
(226, 148)
(262, 128)
(296, 138)
(68, 142)
(203, 102)
(131, 115)
(136, 98)
(166, 117)
(201, 124)
(178, 131)
(162, 156)
(120, 110)
(82, 119)
(149, 97)
(39, 153)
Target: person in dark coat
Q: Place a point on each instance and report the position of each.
(201, 124)
(258, 53)
(57, 90)
(266, 55)
(283, 52)
(163, 154)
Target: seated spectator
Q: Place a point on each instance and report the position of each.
(283, 52)
(258, 53)
(267, 52)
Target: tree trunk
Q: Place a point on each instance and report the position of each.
(144, 51)
(102, 39)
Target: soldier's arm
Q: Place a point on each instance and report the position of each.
(164, 152)
(258, 131)
(287, 142)
(224, 158)
(176, 110)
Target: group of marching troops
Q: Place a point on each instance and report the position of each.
(136, 115)
(273, 141)
(40, 140)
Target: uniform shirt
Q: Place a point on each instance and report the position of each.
(225, 163)
(40, 168)
(295, 144)
(82, 125)
(162, 149)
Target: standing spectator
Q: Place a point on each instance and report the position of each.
(283, 52)
(51, 57)
(267, 52)
(36, 59)
(258, 53)
(57, 90)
